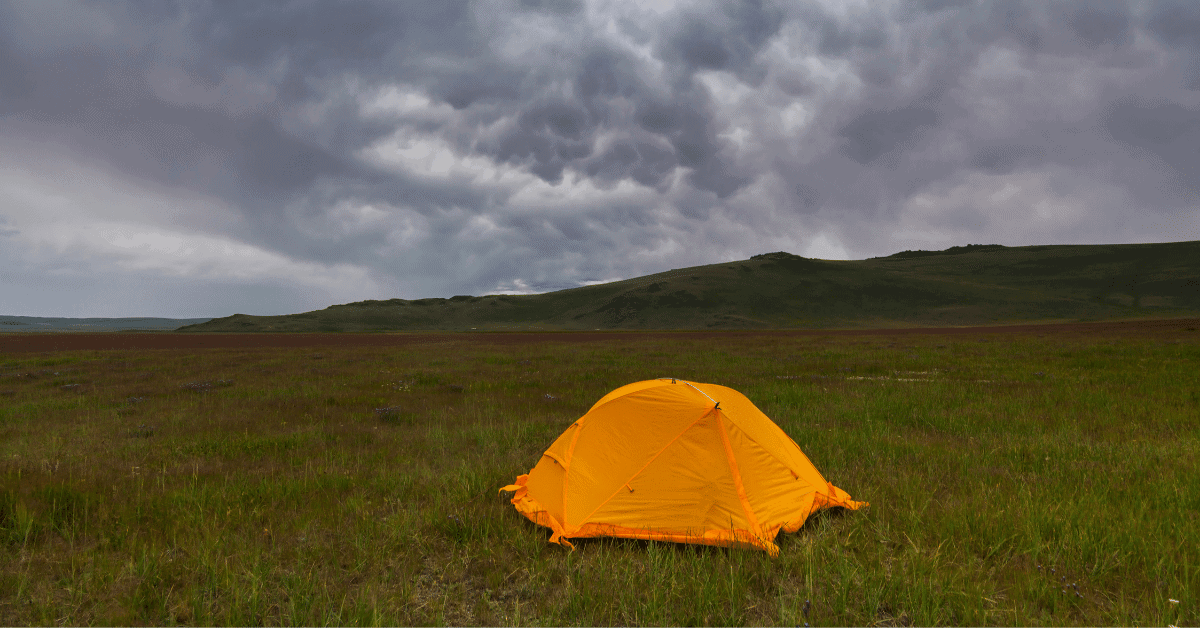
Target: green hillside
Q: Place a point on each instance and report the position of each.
(969, 285)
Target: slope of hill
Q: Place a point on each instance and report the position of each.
(970, 285)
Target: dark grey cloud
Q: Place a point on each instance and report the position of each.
(874, 134)
(404, 148)
(727, 37)
(838, 38)
(1175, 23)
(564, 7)
(106, 103)
(1004, 158)
(1098, 24)
(1167, 133)
(933, 6)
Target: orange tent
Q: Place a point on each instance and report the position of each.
(676, 461)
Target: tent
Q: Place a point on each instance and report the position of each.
(679, 461)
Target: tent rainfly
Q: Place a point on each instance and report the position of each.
(675, 461)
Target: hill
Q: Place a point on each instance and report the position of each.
(967, 285)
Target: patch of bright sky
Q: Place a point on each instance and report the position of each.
(479, 227)
(69, 218)
(403, 101)
(432, 157)
(579, 191)
(847, 10)
(733, 97)
(601, 281)
(795, 118)
(825, 246)
(100, 246)
(37, 188)
(516, 286)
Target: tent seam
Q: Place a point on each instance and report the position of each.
(755, 441)
(737, 477)
(570, 456)
(768, 451)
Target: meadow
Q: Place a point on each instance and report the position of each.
(1020, 478)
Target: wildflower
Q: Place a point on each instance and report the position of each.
(1172, 600)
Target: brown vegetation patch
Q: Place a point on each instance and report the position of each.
(49, 342)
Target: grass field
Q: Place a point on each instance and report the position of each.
(1013, 479)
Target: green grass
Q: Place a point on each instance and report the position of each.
(973, 285)
(1013, 479)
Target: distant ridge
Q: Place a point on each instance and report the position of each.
(976, 284)
(59, 324)
(954, 250)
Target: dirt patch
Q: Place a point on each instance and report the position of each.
(50, 342)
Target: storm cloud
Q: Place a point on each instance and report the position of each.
(205, 157)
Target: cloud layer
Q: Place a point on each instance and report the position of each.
(202, 158)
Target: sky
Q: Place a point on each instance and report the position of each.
(199, 158)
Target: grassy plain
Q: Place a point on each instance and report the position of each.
(1014, 479)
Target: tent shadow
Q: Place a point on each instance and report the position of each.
(813, 526)
(595, 544)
